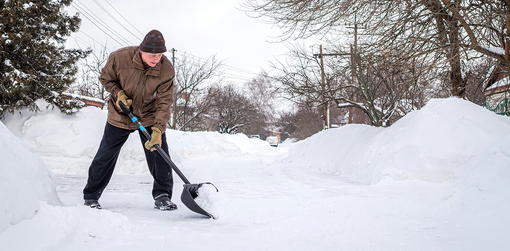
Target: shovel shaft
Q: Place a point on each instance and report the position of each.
(160, 150)
(170, 162)
(189, 192)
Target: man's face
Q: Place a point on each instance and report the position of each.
(151, 59)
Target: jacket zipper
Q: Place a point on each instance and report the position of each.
(137, 93)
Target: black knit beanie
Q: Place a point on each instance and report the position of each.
(153, 42)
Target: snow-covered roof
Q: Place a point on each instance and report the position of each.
(497, 78)
(503, 82)
(82, 97)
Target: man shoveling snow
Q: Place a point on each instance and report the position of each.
(143, 79)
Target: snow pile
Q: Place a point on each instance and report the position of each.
(209, 199)
(433, 144)
(442, 174)
(490, 175)
(55, 226)
(24, 181)
(68, 143)
(482, 218)
(213, 144)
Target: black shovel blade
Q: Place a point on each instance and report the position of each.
(189, 193)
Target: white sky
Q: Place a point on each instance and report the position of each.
(199, 27)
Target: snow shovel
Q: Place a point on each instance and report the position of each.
(190, 191)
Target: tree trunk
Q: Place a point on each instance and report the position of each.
(458, 82)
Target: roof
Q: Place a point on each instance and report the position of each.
(497, 78)
(83, 97)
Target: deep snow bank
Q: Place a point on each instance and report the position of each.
(68, 144)
(55, 226)
(214, 144)
(24, 181)
(433, 144)
(482, 195)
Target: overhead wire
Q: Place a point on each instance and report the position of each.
(109, 14)
(96, 25)
(233, 72)
(108, 26)
(95, 41)
(230, 73)
(98, 21)
(80, 40)
(124, 18)
(227, 66)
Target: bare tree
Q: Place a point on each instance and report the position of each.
(287, 123)
(486, 25)
(386, 86)
(90, 70)
(192, 75)
(478, 73)
(445, 28)
(382, 87)
(232, 111)
(300, 78)
(263, 92)
(300, 124)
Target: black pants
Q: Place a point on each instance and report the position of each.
(101, 169)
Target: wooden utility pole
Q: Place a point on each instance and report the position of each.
(325, 109)
(354, 60)
(353, 54)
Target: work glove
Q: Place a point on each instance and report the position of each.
(121, 96)
(155, 139)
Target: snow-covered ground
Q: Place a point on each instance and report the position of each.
(438, 179)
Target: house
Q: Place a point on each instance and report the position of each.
(276, 134)
(89, 101)
(497, 91)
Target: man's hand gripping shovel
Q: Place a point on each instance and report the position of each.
(190, 191)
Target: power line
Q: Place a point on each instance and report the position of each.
(227, 67)
(100, 22)
(237, 76)
(240, 70)
(79, 41)
(102, 45)
(124, 18)
(95, 24)
(230, 72)
(106, 25)
(107, 12)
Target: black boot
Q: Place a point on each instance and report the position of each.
(163, 202)
(93, 204)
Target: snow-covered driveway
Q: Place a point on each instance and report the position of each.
(266, 204)
(438, 179)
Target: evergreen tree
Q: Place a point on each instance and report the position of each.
(34, 63)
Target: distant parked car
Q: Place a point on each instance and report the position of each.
(272, 140)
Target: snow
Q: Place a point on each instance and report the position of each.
(207, 195)
(438, 179)
(24, 181)
(83, 97)
(432, 144)
(502, 82)
(495, 50)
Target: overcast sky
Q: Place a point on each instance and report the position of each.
(199, 27)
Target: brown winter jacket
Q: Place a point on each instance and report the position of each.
(151, 90)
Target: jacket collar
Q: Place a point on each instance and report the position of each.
(138, 64)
